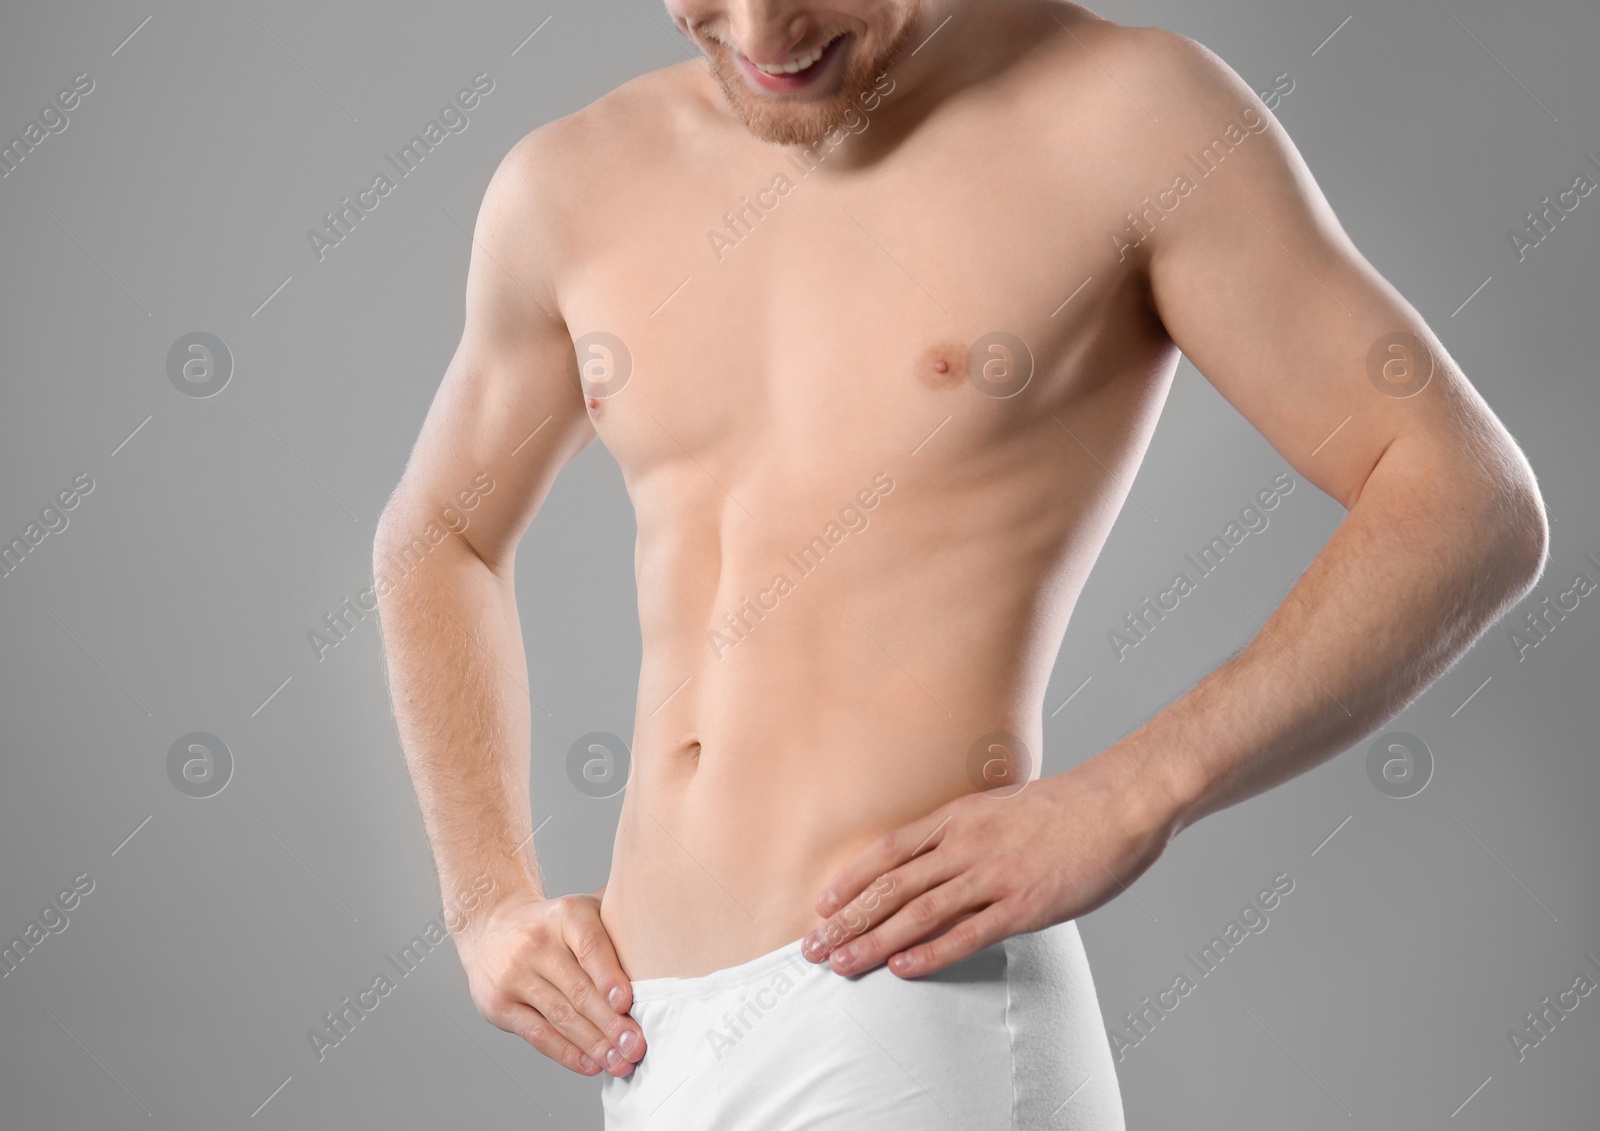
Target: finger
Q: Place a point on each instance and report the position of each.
(966, 938)
(927, 914)
(533, 1027)
(561, 1015)
(889, 851)
(621, 1040)
(605, 994)
(882, 898)
(589, 942)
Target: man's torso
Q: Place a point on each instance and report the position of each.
(852, 561)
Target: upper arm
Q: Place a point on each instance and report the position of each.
(1259, 286)
(509, 411)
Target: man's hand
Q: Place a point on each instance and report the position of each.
(545, 970)
(990, 865)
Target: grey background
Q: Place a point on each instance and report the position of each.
(180, 596)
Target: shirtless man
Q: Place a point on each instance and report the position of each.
(878, 345)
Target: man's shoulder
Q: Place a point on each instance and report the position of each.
(1154, 61)
(636, 123)
(1154, 110)
(1120, 104)
(576, 165)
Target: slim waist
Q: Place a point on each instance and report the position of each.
(762, 966)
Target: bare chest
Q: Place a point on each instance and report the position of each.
(776, 306)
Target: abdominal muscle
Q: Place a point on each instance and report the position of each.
(724, 845)
(764, 763)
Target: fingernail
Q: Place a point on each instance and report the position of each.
(812, 947)
(615, 997)
(845, 956)
(588, 1064)
(830, 903)
(629, 1042)
(613, 1059)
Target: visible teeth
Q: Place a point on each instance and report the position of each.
(797, 65)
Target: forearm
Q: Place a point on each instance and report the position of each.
(1432, 553)
(458, 683)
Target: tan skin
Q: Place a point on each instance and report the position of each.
(812, 777)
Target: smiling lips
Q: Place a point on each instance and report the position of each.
(795, 74)
(796, 65)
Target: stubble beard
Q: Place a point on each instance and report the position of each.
(808, 122)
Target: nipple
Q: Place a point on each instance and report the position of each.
(943, 365)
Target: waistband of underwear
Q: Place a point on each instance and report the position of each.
(785, 958)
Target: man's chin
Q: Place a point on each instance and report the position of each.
(781, 121)
(786, 122)
(792, 125)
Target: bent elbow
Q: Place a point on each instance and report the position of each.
(1536, 541)
(1526, 532)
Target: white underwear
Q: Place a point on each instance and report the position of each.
(1008, 1039)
